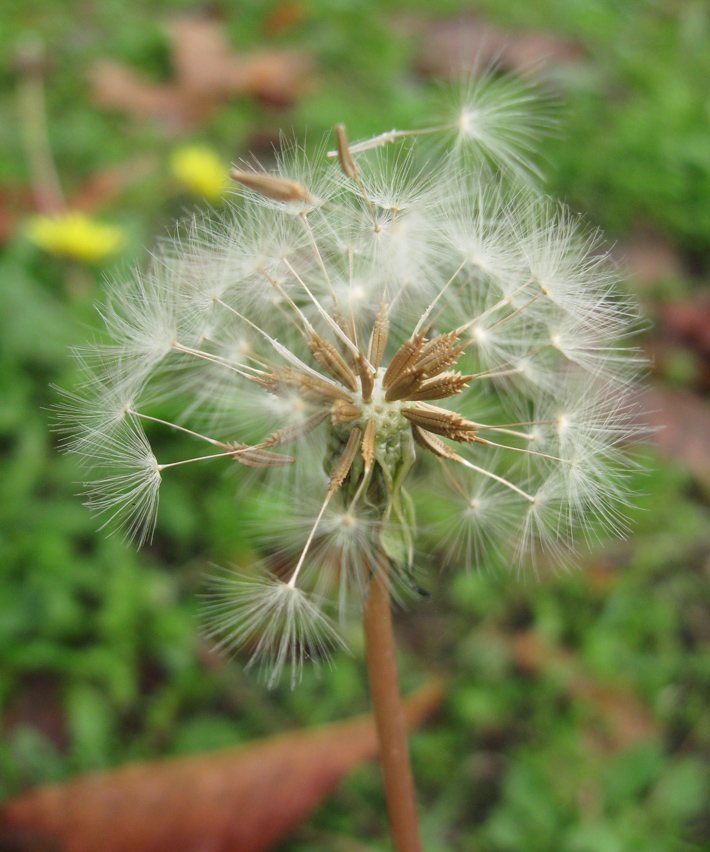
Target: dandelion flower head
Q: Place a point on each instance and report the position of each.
(365, 324)
(199, 169)
(75, 236)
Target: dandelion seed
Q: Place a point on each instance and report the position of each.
(127, 486)
(279, 623)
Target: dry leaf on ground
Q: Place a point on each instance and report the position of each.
(206, 73)
(649, 259)
(238, 800)
(681, 424)
(451, 46)
(687, 322)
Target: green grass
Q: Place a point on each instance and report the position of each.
(100, 655)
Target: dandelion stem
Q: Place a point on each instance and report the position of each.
(215, 359)
(389, 716)
(280, 348)
(353, 322)
(498, 427)
(515, 313)
(455, 482)
(524, 435)
(236, 451)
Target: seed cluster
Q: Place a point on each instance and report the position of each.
(362, 393)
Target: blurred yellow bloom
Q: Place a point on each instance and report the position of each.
(200, 170)
(75, 236)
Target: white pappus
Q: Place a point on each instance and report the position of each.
(360, 324)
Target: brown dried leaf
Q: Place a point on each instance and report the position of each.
(367, 377)
(207, 72)
(649, 258)
(345, 462)
(238, 800)
(378, 340)
(431, 442)
(687, 322)
(453, 45)
(116, 86)
(331, 360)
(271, 186)
(681, 424)
(442, 422)
(439, 353)
(344, 412)
(404, 357)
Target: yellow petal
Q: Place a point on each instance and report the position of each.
(75, 236)
(200, 171)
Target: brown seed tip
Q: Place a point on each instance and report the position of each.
(342, 412)
(271, 186)
(347, 164)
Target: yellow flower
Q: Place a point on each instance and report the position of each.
(75, 236)
(200, 170)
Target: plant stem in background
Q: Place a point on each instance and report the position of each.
(46, 189)
(389, 717)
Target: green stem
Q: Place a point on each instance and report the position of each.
(46, 189)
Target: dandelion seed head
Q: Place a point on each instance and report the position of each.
(338, 339)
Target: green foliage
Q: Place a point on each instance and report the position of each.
(101, 660)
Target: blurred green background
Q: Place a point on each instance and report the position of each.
(577, 716)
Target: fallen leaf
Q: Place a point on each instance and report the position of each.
(687, 322)
(681, 428)
(117, 87)
(237, 800)
(206, 74)
(454, 45)
(649, 258)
